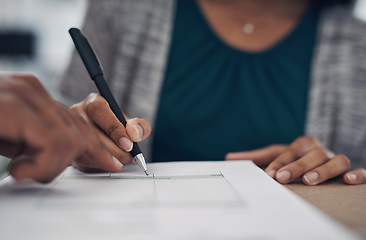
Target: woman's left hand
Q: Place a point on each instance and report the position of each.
(306, 157)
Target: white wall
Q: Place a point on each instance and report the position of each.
(50, 21)
(360, 9)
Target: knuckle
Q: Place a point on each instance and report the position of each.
(305, 144)
(319, 152)
(278, 146)
(32, 80)
(27, 81)
(362, 175)
(276, 164)
(293, 150)
(299, 166)
(300, 138)
(344, 161)
(10, 100)
(77, 118)
(18, 86)
(91, 107)
(297, 144)
(311, 139)
(308, 141)
(94, 103)
(76, 107)
(92, 96)
(112, 129)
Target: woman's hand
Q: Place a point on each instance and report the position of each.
(305, 157)
(116, 138)
(41, 136)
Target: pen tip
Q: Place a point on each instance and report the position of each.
(147, 174)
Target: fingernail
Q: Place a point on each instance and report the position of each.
(139, 130)
(271, 173)
(283, 176)
(117, 162)
(311, 177)
(352, 177)
(126, 144)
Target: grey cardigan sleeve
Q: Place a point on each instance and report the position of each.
(100, 27)
(337, 110)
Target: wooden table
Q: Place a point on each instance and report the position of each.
(345, 203)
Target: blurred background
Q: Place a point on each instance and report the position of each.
(34, 37)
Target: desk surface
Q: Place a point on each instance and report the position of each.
(345, 203)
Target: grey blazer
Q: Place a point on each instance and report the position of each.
(132, 39)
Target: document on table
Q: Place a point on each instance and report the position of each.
(182, 200)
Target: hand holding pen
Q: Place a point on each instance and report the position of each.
(116, 138)
(118, 135)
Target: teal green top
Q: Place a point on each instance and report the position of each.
(217, 99)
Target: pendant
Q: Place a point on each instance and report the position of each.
(248, 28)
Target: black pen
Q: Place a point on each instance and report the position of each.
(95, 71)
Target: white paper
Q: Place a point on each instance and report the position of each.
(184, 200)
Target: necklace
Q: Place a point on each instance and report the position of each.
(248, 28)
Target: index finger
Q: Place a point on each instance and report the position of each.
(98, 110)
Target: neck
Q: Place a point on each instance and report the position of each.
(253, 25)
(283, 8)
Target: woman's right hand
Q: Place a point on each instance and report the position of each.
(116, 138)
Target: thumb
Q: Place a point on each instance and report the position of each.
(261, 156)
(138, 129)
